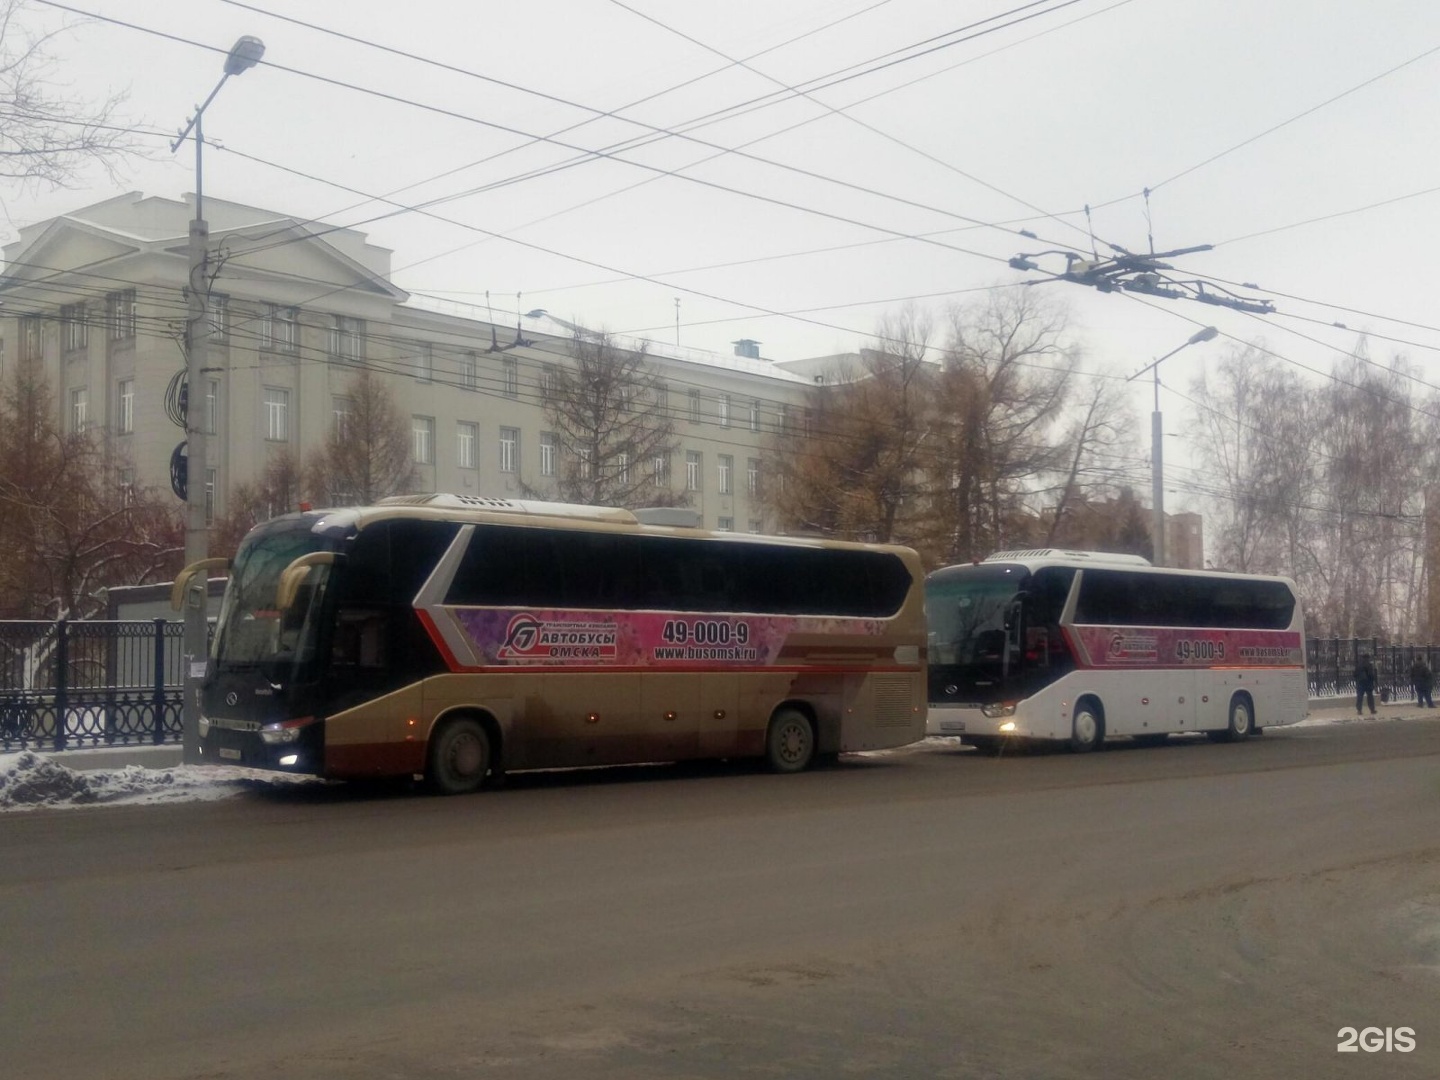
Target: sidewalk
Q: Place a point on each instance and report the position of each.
(1337, 710)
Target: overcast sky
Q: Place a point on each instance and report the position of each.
(1245, 119)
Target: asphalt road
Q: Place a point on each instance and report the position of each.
(1193, 910)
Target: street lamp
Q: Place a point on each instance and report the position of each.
(1157, 436)
(243, 55)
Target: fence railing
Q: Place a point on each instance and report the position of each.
(1331, 665)
(105, 682)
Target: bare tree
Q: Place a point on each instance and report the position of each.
(612, 425)
(1006, 372)
(48, 137)
(1255, 437)
(1101, 427)
(68, 530)
(856, 469)
(278, 491)
(368, 454)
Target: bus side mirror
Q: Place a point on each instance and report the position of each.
(182, 579)
(293, 576)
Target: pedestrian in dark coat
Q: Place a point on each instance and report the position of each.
(1365, 680)
(1423, 680)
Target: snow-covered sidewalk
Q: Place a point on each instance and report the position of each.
(29, 780)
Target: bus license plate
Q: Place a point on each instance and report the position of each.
(230, 753)
(953, 725)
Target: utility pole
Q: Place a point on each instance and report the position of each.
(1157, 437)
(245, 54)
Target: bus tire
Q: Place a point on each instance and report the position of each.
(789, 742)
(1242, 721)
(1087, 726)
(459, 758)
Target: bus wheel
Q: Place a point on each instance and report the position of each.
(1087, 729)
(790, 742)
(1242, 721)
(459, 758)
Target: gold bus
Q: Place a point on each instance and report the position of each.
(455, 637)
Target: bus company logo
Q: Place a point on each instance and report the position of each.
(1133, 647)
(530, 638)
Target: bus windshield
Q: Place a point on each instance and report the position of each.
(994, 631)
(252, 632)
(967, 614)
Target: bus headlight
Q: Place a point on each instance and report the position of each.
(286, 731)
(1002, 709)
(1008, 726)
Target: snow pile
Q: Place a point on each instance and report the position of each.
(29, 780)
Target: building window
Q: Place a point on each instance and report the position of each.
(754, 416)
(77, 330)
(120, 312)
(660, 470)
(725, 524)
(422, 363)
(467, 371)
(423, 430)
(209, 496)
(662, 397)
(549, 380)
(752, 476)
(346, 339)
(547, 453)
(692, 470)
(782, 424)
(584, 456)
(754, 525)
(125, 421)
(280, 328)
(622, 467)
(79, 409)
(340, 408)
(32, 338)
(465, 434)
(509, 449)
(219, 309)
(212, 406)
(722, 410)
(127, 486)
(512, 377)
(277, 414)
(694, 406)
(727, 468)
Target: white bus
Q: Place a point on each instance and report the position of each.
(457, 637)
(1080, 646)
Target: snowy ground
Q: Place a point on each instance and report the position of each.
(30, 780)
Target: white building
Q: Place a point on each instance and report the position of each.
(296, 306)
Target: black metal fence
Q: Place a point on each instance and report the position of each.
(1331, 663)
(78, 683)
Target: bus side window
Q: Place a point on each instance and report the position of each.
(360, 638)
(1037, 646)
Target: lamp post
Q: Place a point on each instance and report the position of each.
(1157, 481)
(245, 54)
